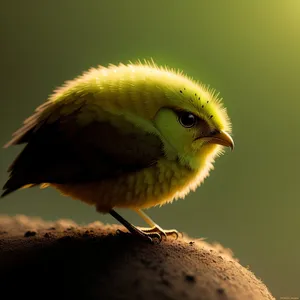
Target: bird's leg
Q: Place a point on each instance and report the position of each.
(154, 228)
(134, 230)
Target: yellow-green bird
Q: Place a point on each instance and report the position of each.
(131, 136)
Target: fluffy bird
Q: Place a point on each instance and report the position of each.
(131, 136)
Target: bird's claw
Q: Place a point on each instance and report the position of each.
(147, 236)
(163, 233)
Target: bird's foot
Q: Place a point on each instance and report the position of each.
(161, 232)
(134, 230)
(146, 236)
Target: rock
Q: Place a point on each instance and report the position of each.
(93, 262)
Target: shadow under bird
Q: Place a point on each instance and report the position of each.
(131, 136)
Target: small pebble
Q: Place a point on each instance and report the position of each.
(190, 278)
(29, 233)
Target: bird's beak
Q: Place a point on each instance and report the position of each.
(222, 138)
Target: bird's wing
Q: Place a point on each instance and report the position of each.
(69, 143)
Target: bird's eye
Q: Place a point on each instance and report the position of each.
(187, 119)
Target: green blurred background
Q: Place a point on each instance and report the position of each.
(248, 50)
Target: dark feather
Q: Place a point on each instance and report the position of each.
(23, 134)
(65, 151)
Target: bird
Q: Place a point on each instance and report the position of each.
(129, 135)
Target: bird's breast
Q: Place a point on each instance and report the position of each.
(152, 186)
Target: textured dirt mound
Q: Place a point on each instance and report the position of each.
(43, 260)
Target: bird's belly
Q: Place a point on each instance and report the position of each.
(149, 187)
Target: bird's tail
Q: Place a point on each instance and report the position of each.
(13, 183)
(9, 187)
(7, 192)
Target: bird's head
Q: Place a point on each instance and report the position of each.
(189, 118)
(195, 127)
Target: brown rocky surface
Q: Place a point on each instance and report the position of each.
(62, 260)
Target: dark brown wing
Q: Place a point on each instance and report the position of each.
(68, 150)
